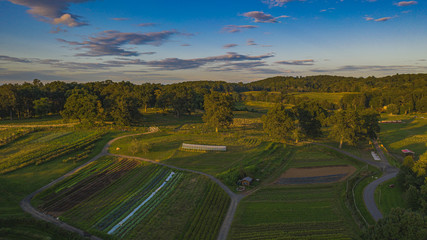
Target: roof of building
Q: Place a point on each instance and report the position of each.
(407, 151)
(249, 179)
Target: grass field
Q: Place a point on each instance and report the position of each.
(412, 134)
(321, 96)
(388, 197)
(128, 198)
(307, 211)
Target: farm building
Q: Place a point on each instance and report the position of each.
(246, 181)
(197, 147)
(408, 152)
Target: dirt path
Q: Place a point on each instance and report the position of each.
(389, 172)
(27, 207)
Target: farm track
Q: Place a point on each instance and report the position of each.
(389, 172)
(27, 207)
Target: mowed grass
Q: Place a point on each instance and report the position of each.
(388, 197)
(412, 134)
(310, 211)
(317, 156)
(165, 146)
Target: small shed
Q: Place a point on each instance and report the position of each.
(246, 181)
(408, 152)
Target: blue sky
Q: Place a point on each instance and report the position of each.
(236, 41)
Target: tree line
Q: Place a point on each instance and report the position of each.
(118, 101)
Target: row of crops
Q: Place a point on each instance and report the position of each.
(44, 146)
(126, 198)
(8, 135)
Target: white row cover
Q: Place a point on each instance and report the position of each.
(204, 147)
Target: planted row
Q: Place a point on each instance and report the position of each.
(47, 154)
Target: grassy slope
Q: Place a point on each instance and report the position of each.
(389, 197)
(412, 134)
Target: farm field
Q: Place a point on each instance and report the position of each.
(322, 96)
(298, 211)
(128, 198)
(40, 146)
(15, 185)
(412, 134)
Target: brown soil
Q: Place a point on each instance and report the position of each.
(318, 171)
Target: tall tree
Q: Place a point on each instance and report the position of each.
(82, 106)
(346, 127)
(279, 123)
(218, 110)
(399, 224)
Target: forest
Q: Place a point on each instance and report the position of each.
(118, 101)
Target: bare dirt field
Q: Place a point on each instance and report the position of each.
(315, 175)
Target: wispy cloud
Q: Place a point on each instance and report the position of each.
(237, 28)
(54, 12)
(230, 45)
(120, 19)
(251, 42)
(179, 64)
(261, 17)
(185, 45)
(111, 42)
(406, 3)
(327, 10)
(278, 3)
(169, 64)
(14, 59)
(297, 62)
(147, 24)
(383, 19)
(374, 68)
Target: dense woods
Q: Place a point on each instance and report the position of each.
(120, 101)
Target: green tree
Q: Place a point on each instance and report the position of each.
(42, 106)
(218, 110)
(279, 123)
(420, 166)
(346, 127)
(82, 106)
(399, 224)
(370, 123)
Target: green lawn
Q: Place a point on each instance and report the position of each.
(388, 197)
(411, 134)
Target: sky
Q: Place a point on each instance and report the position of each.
(173, 41)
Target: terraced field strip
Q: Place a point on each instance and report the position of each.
(206, 221)
(56, 147)
(112, 230)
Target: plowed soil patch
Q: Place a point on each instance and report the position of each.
(315, 175)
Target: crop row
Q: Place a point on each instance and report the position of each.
(103, 203)
(81, 156)
(48, 154)
(10, 135)
(149, 206)
(84, 189)
(306, 230)
(208, 218)
(150, 194)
